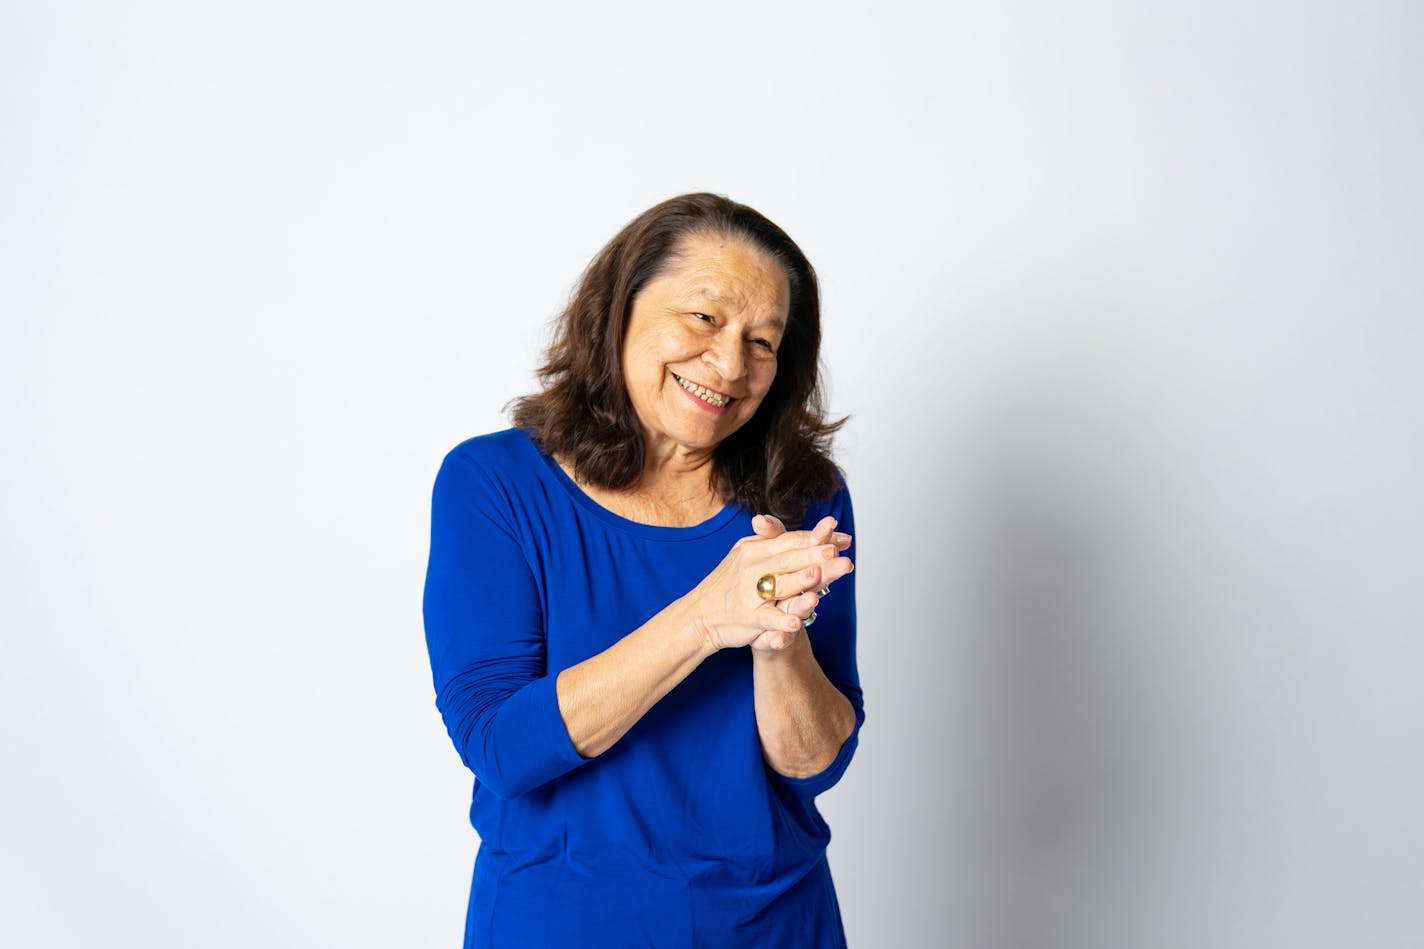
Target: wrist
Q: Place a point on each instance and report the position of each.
(695, 628)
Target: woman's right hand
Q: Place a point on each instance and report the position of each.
(725, 605)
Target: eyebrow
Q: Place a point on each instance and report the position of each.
(710, 293)
(707, 291)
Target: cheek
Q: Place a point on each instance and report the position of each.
(765, 376)
(654, 352)
(643, 362)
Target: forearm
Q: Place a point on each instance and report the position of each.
(802, 718)
(606, 694)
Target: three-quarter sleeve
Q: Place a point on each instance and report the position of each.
(832, 639)
(484, 630)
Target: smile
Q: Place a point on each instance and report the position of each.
(707, 395)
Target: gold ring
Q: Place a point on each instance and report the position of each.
(766, 587)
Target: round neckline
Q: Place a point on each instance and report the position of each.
(653, 531)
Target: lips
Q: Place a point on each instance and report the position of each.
(712, 397)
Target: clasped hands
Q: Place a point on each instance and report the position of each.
(804, 563)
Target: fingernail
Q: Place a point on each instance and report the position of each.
(828, 552)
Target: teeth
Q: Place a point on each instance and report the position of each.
(706, 395)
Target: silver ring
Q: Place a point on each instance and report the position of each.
(823, 591)
(806, 623)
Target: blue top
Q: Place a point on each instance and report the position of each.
(678, 835)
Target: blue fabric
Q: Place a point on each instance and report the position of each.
(678, 835)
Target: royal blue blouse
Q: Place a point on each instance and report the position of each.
(678, 835)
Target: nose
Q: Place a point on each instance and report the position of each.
(725, 356)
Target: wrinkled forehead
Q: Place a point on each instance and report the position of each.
(729, 271)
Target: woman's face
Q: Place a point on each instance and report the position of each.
(699, 353)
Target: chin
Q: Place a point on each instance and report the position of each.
(702, 439)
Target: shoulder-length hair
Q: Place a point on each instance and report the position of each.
(778, 462)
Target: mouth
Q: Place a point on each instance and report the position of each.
(718, 400)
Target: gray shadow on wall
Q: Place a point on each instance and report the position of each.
(1052, 494)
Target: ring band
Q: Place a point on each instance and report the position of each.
(823, 591)
(766, 587)
(806, 623)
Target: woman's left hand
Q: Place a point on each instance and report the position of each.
(804, 604)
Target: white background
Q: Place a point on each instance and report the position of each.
(1123, 300)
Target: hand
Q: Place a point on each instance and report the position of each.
(725, 605)
(802, 605)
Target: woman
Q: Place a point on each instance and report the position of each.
(623, 654)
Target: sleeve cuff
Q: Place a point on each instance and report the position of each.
(808, 787)
(542, 750)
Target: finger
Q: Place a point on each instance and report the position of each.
(769, 617)
(773, 640)
(799, 558)
(821, 533)
(791, 540)
(784, 586)
(768, 525)
(833, 570)
(796, 582)
(802, 604)
(827, 573)
(812, 579)
(769, 639)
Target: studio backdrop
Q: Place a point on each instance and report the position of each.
(1122, 301)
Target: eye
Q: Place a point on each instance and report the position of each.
(765, 344)
(703, 317)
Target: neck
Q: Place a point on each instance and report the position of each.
(670, 466)
(678, 485)
(675, 489)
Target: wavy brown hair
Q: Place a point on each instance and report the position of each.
(778, 462)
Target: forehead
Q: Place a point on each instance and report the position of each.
(730, 271)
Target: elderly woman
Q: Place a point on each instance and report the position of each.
(620, 602)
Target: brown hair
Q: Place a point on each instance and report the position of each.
(778, 462)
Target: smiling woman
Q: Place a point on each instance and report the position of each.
(619, 619)
(699, 354)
